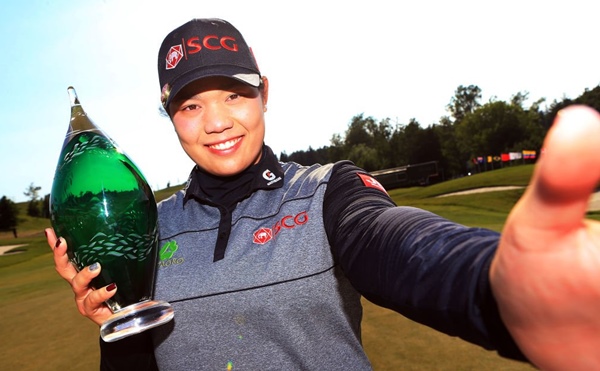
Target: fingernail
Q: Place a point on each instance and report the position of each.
(57, 244)
(111, 287)
(94, 267)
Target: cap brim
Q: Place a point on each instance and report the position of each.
(241, 74)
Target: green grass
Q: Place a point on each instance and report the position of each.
(487, 210)
(167, 192)
(39, 326)
(42, 330)
(510, 176)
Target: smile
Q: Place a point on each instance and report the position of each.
(225, 145)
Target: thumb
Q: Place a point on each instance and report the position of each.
(566, 174)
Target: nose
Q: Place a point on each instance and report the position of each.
(216, 119)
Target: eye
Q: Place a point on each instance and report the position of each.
(190, 107)
(233, 96)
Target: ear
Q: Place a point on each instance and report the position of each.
(265, 92)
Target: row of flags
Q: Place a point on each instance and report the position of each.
(506, 157)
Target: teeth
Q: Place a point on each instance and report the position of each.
(225, 145)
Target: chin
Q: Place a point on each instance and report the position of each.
(228, 171)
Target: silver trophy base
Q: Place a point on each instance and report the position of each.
(136, 318)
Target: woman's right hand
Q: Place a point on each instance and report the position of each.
(90, 302)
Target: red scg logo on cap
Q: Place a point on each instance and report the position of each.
(194, 45)
(174, 55)
(211, 42)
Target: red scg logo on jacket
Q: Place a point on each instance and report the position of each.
(264, 235)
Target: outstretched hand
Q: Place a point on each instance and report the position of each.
(546, 272)
(89, 302)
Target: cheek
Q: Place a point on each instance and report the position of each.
(185, 130)
(254, 119)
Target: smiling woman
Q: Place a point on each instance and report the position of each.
(269, 260)
(220, 123)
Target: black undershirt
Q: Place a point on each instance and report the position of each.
(226, 192)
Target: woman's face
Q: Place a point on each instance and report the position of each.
(220, 123)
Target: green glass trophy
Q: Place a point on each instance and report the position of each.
(102, 206)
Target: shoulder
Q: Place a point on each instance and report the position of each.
(321, 171)
(303, 177)
(295, 171)
(175, 201)
(340, 174)
(346, 174)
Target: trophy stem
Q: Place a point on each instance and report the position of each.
(136, 318)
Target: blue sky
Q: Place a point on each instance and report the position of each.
(326, 62)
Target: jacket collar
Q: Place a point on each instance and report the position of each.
(207, 188)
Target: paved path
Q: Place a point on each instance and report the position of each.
(481, 190)
(4, 249)
(594, 204)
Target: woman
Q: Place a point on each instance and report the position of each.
(273, 257)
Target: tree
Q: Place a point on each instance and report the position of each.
(309, 157)
(471, 129)
(450, 160)
(32, 192)
(357, 132)
(411, 144)
(465, 101)
(46, 206)
(532, 123)
(336, 151)
(33, 208)
(365, 157)
(519, 99)
(8, 215)
(589, 97)
(499, 127)
(365, 141)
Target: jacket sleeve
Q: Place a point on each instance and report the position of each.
(427, 268)
(135, 352)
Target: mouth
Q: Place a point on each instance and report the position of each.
(223, 146)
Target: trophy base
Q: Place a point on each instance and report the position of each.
(136, 318)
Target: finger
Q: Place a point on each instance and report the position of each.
(90, 302)
(566, 173)
(61, 260)
(50, 237)
(93, 305)
(81, 282)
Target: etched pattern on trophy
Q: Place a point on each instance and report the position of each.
(102, 205)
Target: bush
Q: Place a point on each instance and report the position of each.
(8, 214)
